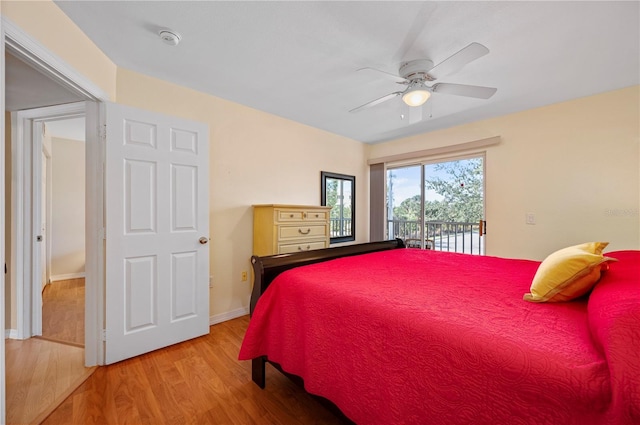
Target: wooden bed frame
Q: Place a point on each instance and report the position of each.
(265, 269)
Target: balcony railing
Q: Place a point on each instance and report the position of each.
(439, 235)
(339, 227)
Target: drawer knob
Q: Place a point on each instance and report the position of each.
(290, 215)
(303, 249)
(304, 233)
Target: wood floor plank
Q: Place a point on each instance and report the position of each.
(200, 381)
(39, 376)
(63, 311)
(196, 382)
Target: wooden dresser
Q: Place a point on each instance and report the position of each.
(282, 229)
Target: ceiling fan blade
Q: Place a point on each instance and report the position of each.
(464, 90)
(456, 61)
(388, 75)
(377, 101)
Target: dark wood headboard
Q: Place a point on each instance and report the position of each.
(266, 268)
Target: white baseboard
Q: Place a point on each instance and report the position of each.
(10, 334)
(233, 314)
(66, 276)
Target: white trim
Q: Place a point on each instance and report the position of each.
(66, 276)
(11, 334)
(28, 49)
(233, 314)
(20, 204)
(57, 112)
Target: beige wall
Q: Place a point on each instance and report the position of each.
(255, 158)
(575, 165)
(67, 201)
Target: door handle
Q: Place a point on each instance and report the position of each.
(203, 240)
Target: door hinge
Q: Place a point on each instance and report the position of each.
(102, 132)
(102, 233)
(104, 335)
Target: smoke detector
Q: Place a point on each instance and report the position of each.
(171, 38)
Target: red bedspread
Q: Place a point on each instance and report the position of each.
(411, 336)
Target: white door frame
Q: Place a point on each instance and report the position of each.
(2, 221)
(22, 45)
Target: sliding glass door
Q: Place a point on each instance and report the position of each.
(438, 205)
(404, 204)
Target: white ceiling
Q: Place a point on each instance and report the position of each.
(299, 60)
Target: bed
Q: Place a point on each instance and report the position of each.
(407, 336)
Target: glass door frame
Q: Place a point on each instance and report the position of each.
(423, 162)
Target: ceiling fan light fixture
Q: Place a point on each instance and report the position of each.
(416, 97)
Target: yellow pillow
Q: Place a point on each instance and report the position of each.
(568, 273)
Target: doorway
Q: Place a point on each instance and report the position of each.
(31, 82)
(30, 199)
(57, 84)
(438, 204)
(63, 231)
(32, 190)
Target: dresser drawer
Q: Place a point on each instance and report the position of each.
(302, 231)
(316, 215)
(285, 216)
(289, 215)
(299, 247)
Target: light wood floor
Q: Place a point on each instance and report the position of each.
(196, 382)
(40, 374)
(63, 311)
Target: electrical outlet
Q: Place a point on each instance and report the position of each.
(530, 218)
(244, 275)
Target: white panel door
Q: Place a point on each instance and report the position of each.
(157, 228)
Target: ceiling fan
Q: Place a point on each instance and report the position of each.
(416, 74)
